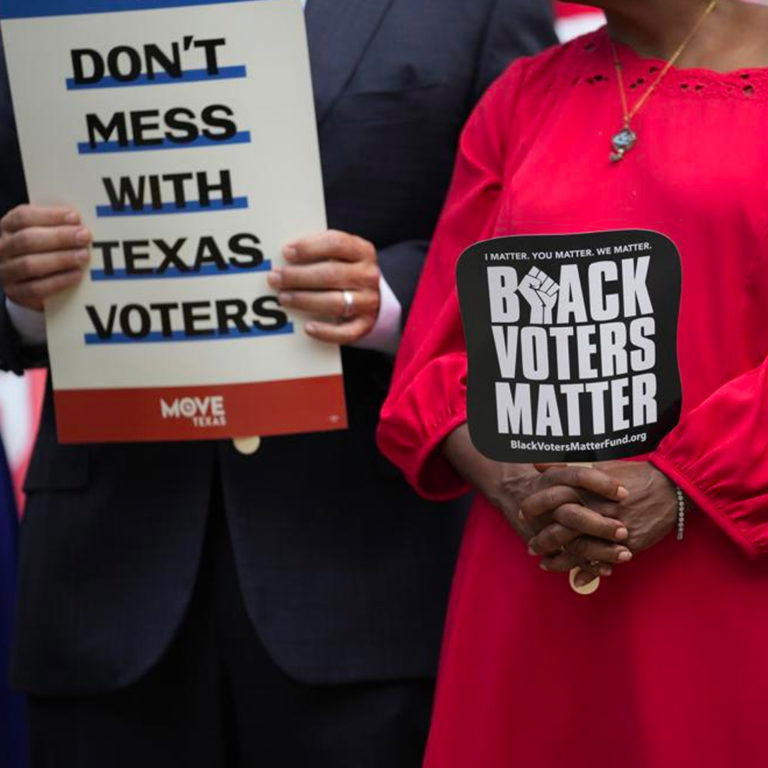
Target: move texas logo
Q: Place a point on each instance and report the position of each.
(208, 411)
(572, 344)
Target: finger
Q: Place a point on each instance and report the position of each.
(329, 245)
(547, 500)
(551, 540)
(557, 535)
(586, 478)
(325, 276)
(565, 562)
(34, 292)
(339, 333)
(590, 550)
(330, 303)
(26, 216)
(586, 521)
(44, 240)
(37, 266)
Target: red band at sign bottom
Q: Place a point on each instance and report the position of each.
(216, 411)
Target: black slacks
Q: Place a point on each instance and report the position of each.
(217, 700)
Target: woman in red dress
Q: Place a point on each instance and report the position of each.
(667, 663)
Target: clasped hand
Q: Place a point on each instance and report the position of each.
(596, 517)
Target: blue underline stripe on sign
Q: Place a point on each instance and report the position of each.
(161, 78)
(104, 147)
(157, 337)
(209, 270)
(192, 206)
(26, 9)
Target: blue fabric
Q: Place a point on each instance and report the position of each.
(13, 734)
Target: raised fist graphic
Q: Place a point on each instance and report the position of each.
(540, 291)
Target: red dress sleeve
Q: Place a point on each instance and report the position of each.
(427, 399)
(718, 454)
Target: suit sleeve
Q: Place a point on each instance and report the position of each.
(427, 400)
(13, 355)
(718, 453)
(12, 188)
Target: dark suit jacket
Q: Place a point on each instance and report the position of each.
(345, 572)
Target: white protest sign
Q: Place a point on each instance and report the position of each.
(185, 134)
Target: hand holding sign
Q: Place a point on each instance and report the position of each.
(323, 268)
(43, 251)
(648, 511)
(512, 487)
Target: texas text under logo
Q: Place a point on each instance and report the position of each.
(572, 344)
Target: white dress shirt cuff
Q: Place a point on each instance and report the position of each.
(385, 335)
(29, 323)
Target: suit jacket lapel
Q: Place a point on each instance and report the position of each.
(339, 32)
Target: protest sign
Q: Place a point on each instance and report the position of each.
(184, 132)
(572, 345)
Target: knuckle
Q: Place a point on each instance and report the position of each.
(578, 548)
(22, 242)
(367, 249)
(332, 273)
(31, 290)
(570, 515)
(336, 240)
(373, 275)
(546, 542)
(550, 497)
(579, 474)
(15, 218)
(24, 268)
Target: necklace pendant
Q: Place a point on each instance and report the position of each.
(622, 142)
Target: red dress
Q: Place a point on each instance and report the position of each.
(667, 664)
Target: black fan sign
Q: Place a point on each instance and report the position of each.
(572, 344)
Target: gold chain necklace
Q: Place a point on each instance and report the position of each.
(626, 138)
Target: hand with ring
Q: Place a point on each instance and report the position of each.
(335, 277)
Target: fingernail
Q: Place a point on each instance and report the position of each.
(82, 236)
(285, 298)
(625, 556)
(82, 257)
(531, 551)
(310, 328)
(544, 566)
(275, 279)
(521, 516)
(73, 217)
(290, 253)
(622, 533)
(606, 570)
(622, 493)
